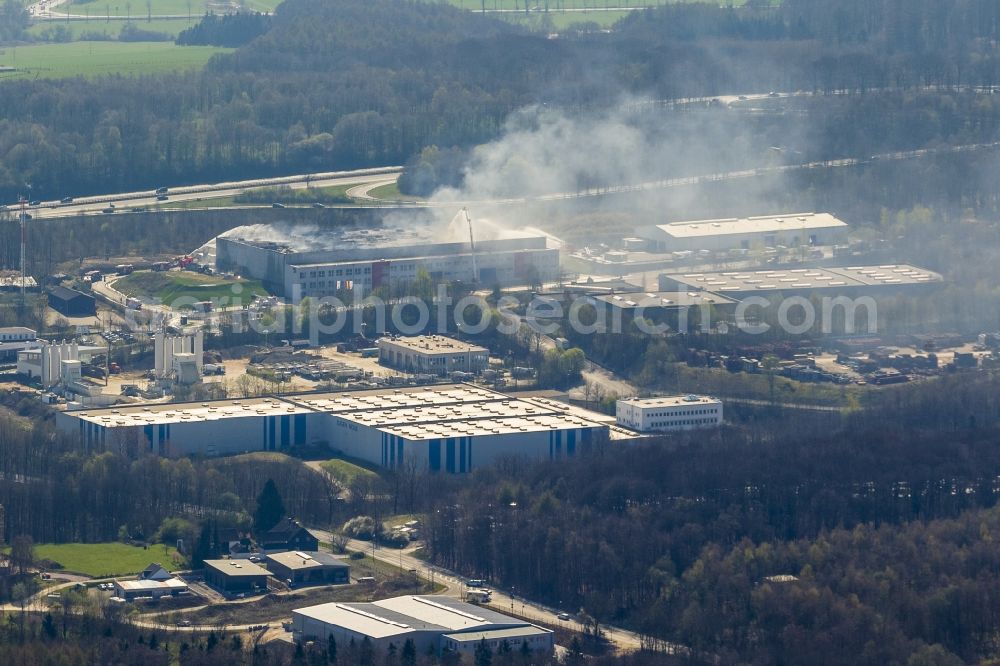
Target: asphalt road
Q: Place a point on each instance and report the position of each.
(94, 205)
(625, 641)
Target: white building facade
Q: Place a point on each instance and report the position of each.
(669, 413)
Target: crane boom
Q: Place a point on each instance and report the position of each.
(472, 244)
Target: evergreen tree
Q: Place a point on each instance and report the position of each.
(483, 655)
(270, 508)
(409, 653)
(331, 649)
(366, 653)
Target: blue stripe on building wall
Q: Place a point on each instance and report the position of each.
(392, 450)
(449, 464)
(469, 439)
(399, 450)
(148, 432)
(270, 433)
(461, 457)
(551, 446)
(558, 443)
(571, 442)
(286, 431)
(300, 429)
(434, 455)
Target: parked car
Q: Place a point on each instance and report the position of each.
(277, 205)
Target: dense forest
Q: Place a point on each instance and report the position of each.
(347, 83)
(887, 529)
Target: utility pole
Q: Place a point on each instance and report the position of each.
(24, 219)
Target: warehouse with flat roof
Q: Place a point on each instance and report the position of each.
(433, 354)
(351, 258)
(299, 567)
(450, 428)
(791, 230)
(432, 622)
(236, 576)
(887, 278)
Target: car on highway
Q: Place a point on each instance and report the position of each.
(563, 616)
(277, 205)
(318, 205)
(109, 209)
(36, 202)
(743, 98)
(161, 190)
(773, 94)
(66, 200)
(184, 623)
(162, 197)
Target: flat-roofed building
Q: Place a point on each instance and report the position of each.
(669, 413)
(432, 622)
(791, 230)
(236, 576)
(300, 567)
(365, 259)
(849, 280)
(148, 588)
(433, 354)
(17, 338)
(450, 428)
(218, 427)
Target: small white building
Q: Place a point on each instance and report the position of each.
(17, 338)
(669, 413)
(154, 582)
(434, 354)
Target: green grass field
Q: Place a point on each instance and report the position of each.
(541, 6)
(56, 61)
(140, 8)
(345, 472)
(105, 559)
(173, 286)
(78, 29)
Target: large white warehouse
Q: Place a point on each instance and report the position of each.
(434, 622)
(451, 428)
(382, 257)
(746, 233)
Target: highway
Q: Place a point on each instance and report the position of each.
(94, 205)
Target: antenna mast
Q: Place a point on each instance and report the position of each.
(472, 243)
